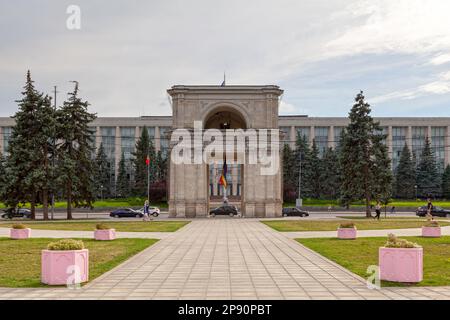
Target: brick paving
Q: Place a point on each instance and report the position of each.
(227, 259)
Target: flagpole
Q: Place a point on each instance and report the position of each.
(148, 179)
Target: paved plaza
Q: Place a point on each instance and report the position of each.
(227, 259)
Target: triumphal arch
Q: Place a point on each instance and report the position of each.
(244, 121)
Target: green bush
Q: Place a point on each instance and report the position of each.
(66, 244)
(19, 226)
(101, 226)
(347, 225)
(433, 224)
(394, 242)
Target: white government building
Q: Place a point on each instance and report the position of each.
(249, 107)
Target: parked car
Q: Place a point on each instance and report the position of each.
(16, 213)
(154, 211)
(224, 210)
(294, 212)
(123, 213)
(435, 211)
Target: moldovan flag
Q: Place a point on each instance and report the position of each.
(223, 179)
(147, 160)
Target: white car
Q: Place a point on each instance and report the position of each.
(154, 211)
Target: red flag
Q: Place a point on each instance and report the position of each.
(147, 161)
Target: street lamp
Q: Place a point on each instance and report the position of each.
(298, 201)
(415, 188)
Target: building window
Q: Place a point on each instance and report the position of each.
(7, 131)
(303, 132)
(127, 138)
(109, 145)
(418, 136)
(151, 134)
(321, 138)
(285, 134)
(337, 136)
(164, 138)
(438, 146)
(398, 143)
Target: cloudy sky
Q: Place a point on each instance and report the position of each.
(321, 52)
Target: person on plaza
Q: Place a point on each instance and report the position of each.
(377, 210)
(146, 211)
(393, 209)
(429, 209)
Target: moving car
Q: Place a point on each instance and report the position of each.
(123, 213)
(435, 211)
(154, 211)
(294, 212)
(16, 213)
(224, 210)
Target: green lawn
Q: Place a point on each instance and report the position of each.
(324, 225)
(389, 217)
(20, 260)
(396, 203)
(128, 226)
(357, 255)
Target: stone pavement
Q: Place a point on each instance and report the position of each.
(36, 233)
(227, 259)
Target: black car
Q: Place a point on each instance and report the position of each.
(224, 210)
(435, 211)
(129, 213)
(294, 212)
(16, 213)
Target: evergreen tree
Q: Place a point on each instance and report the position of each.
(314, 172)
(144, 148)
(76, 171)
(446, 183)
(103, 179)
(405, 176)
(123, 182)
(290, 181)
(302, 161)
(29, 175)
(428, 179)
(3, 178)
(330, 174)
(161, 166)
(366, 172)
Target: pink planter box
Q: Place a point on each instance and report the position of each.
(20, 233)
(431, 232)
(401, 264)
(108, 234)
(64, 267)
(346, 233)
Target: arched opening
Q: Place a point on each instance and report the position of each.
(224, 118)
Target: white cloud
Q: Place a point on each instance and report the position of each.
(440, 59)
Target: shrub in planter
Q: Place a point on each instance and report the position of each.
(347, 230)
(431, 230)
(65, 262)
(400, 260)
(103, 232)
(19, 231)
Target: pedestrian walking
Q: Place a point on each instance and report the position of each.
(429, 210)
(393, 209)
(146, 211)
(377, 210)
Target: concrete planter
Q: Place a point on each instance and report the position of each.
(107, 234)
(346, 233)
(20, 233)
(401, 264)
(431, 232)
(64, 267)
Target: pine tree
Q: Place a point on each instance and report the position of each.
(123, 183)
(3, 178)
(27, 169)
(144, 148)
(103, 179)
(330, 174)
(161, 166)
(314, 172)
(446, 182)
(428, 179)
(289, 180)
(405, 176)
(302, 161)
(366, 172)
(76, 170)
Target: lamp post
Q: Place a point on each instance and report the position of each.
(415, 189)
(298, 202)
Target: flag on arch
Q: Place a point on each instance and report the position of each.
(223, 179)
